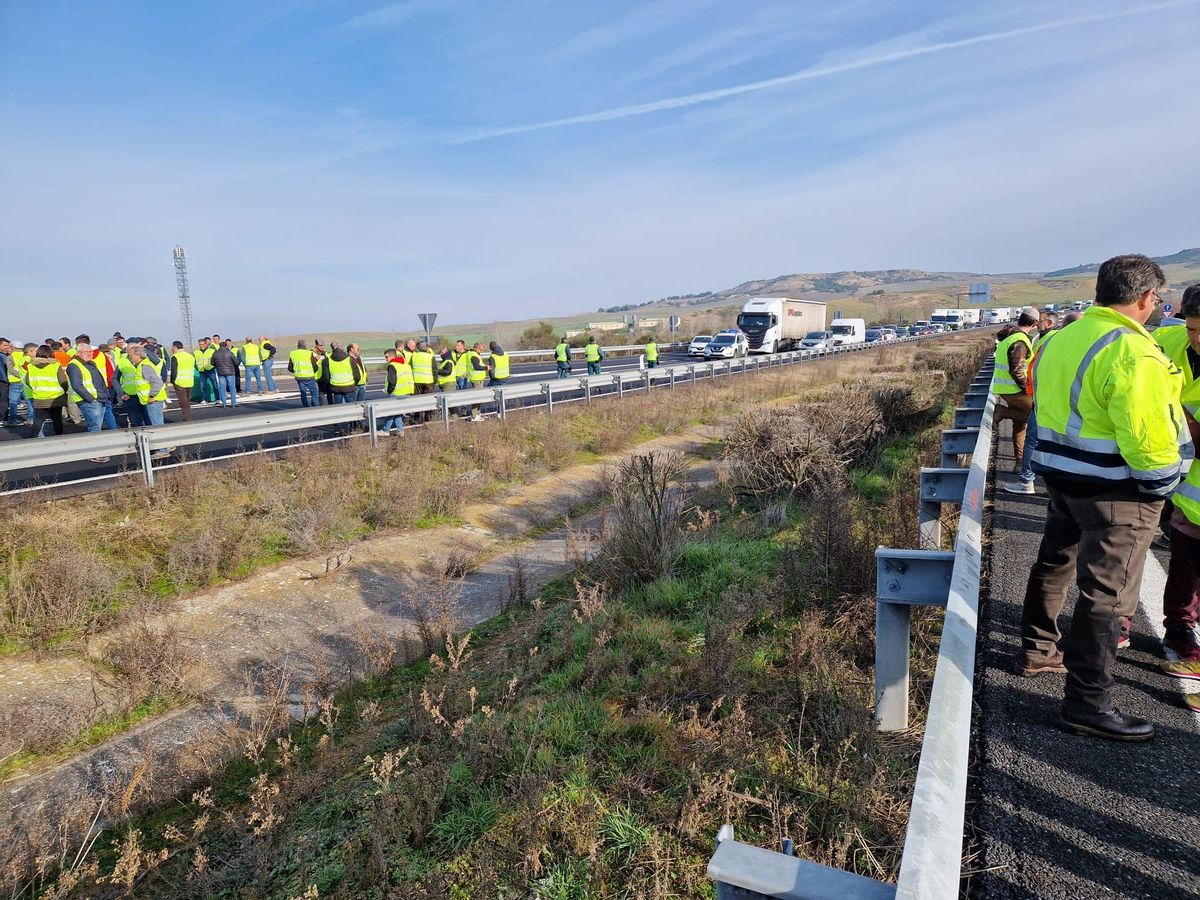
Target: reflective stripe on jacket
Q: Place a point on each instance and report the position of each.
(1108, 409)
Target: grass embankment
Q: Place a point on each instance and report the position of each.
(134, 548)
(712, 665)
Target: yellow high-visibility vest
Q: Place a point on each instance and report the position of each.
(460, 363)
(16, 367)
(404, 379)
(42, 379)
(500, 367)
(185, 369)
(1174, 341)
(302, 364)
(562, 353)
(204, 358)
(475, 375)
(86, 375)
(445, 370)
(128, 375)
(651, 351)
(1002, 379)
(1108, 407)
(341, 373)
(592, 353)
(253, 354)
(143, 384)
(422, 366)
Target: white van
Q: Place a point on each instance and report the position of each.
(848, 331)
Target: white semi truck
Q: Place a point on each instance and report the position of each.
(945, 318)
(1000, 315)
(776, 324)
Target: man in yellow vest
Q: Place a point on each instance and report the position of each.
(1181, 598)
(208, 375)
(1009, 379)
(562, 358)
(477, 373)
(8, 369)
(399, 383)
(593, 354)
(498, 366)
(150, 387)
(342, 374)
(651, 353)
(182, 377)
(126, 387)
(1112, 444)
(423, 362)
(46, 388)
(360, 372)
(250, 356)
(303, 366)
(460, 364)
(447, 378)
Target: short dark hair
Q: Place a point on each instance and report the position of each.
(1190, 304)
(178, 345)
(82, 339)
(1122, 279)
(1025, 320)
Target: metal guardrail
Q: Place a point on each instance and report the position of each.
(143, 443)
(932, 859)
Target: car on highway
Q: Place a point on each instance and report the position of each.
(727, 345)
(889, 332)
(817, 340)
(698, 343)
(875, 336)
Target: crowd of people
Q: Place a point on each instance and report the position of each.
(1105, 411)
(126, 382)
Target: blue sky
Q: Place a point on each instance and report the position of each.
(340, 166)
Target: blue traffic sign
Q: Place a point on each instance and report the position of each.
(1167, 309)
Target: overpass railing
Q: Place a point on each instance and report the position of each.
(143, 446)
(930, 576)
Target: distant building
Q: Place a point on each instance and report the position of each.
(604, 326)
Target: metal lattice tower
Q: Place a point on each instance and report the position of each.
(185, 296)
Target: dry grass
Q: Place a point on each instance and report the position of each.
(588, 743)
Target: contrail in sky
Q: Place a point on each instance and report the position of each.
(641, 109)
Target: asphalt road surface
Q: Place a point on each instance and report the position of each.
(1065, 816)
(101, 475)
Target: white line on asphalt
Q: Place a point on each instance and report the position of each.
(1154, 582)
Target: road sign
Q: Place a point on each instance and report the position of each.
(979, 292)
(673, 323)
(1167, 309)
(427, 320)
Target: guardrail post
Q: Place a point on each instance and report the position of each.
(372, 420)
(620, 387)
(142, 442)
(587, 390)
(500, 409)
(672, 371)
(548, 391)
(444, 403)
(692, 369)
(892, 626)
(646, 378)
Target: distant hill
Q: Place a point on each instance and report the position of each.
(828, 284)
(1182, 258)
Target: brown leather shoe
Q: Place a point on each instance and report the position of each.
(1031, 668)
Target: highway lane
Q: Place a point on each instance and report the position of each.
(102, 475)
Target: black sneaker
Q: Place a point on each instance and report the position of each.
(1112, 725)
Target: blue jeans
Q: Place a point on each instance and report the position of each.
(308, 391)
(154, 412)
(564, 370)
(135, 412)
(463, 383)
(341, 398)
(93, 415)
(268, 365)
(110, 420)
(208, 385)
(256, 373)
(395, 423)
(16, 393)
(593, 368)
(360, 393)
(1026, 472)
(227, 389)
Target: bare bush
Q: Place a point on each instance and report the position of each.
(54, 585)
(437, 610)
(645, 524)
(148, 660)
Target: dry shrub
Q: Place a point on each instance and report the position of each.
(148, 660)
(436, 608)
(54, 584)
(645, 523)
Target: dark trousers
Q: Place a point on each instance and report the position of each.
(54, 414)
(184, 396)
(424, 389)
(1181, 598)
(4, 396)
(1102, 542)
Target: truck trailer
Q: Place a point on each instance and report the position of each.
(776, 324)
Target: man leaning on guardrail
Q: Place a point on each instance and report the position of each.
(1110, 432)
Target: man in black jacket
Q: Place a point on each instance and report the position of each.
(225, 364)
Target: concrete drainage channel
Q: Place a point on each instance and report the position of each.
(931, 863)
(30, 460)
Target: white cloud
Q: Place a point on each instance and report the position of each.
(817, 72)
(391, 15)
